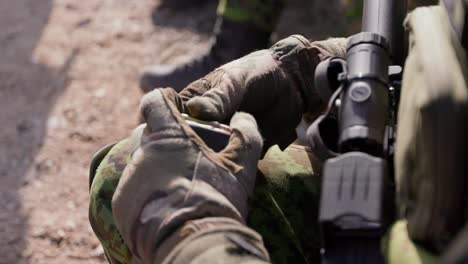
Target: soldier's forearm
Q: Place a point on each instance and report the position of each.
(209, 239)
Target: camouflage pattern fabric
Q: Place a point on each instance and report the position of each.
(285, 200)
(104, 183)
(285, 206)
(263, 14)
(214, 240)
(284, 209)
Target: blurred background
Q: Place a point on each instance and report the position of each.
(69, 85)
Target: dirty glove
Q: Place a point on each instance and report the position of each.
(274, 85)
(175, 179)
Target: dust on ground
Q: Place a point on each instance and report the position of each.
(68, 85)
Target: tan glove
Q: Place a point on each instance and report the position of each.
(274, 85)
(174, 177)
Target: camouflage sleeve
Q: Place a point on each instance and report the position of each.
(105, 175)
(286, 180)
(208, 240)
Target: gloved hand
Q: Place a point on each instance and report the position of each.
(275, 86)
(174, 178)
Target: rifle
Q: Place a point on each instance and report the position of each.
(355, 136)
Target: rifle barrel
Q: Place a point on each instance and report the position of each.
(385, 17)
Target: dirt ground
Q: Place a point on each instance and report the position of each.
(69, 85)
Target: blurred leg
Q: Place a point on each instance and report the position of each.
(242, 27)
(180, 5)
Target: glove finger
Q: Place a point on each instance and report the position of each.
(201, 86)
(159, 113)
(220, 102)
(196, 88)
(244, 147)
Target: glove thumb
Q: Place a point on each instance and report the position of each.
(244, 148)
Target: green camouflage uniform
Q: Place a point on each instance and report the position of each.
(284, 179)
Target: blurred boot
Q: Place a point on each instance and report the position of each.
(232, 40)
(240, 29)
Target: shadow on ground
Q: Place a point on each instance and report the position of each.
(28, 91)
